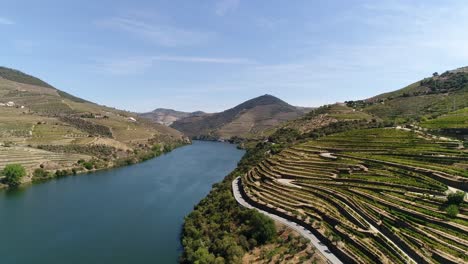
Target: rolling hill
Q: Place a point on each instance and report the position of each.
(426, 99)
(168, 116)
(43, 127)
(247, 120)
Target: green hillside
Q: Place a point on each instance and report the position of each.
(375, 195)
(428, 98)
(54, 130)
(21, 77)
(456, 119)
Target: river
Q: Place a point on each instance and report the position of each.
(132, 214)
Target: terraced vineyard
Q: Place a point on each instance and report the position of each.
(31, 158)
(372, 196)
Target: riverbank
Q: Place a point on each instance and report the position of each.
(95, 164)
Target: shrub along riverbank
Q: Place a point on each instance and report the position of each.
(104, 157)
(219, 230)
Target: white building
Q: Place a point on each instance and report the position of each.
(10, 104)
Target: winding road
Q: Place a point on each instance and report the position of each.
(300, 229)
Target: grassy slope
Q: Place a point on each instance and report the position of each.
(456, 119)
(428, 98)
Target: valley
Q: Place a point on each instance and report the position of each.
(375, 180)
(234, 132)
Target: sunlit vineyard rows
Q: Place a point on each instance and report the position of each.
(374, 196)
(32, 158)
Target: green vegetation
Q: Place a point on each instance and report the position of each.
(452, 210)
(219, 228)
(345, 184)
(447, 82)
(17, 76)
(40, 173)
(262, 227)
(99, 151)
(87, 126)
(426, 99)
(456, 119)
(456, 198)
(13, 174)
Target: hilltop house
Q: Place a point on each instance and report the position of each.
(131, 119)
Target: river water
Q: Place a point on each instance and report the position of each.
(132, 214)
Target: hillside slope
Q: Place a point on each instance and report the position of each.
(247, 120)
(428, 98)
(369, 178)
(168, 116)
(34, 115)
(371, 195)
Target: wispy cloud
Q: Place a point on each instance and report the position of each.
(204, 59)
(136, 65)
(225, 6)
(127, 66)
(160, 34)
(6, 21)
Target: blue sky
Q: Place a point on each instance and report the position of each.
(213, 54)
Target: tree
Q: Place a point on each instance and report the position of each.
(452, 210)
(456, 198)
(203, 256)
(262, 227)
(13, 174)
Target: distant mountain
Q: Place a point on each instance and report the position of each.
(250, 119)
(168, 116)
(49, 127)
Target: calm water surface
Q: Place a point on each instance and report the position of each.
(127, 215)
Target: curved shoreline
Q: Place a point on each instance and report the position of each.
(31, 180)
(331, 258)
